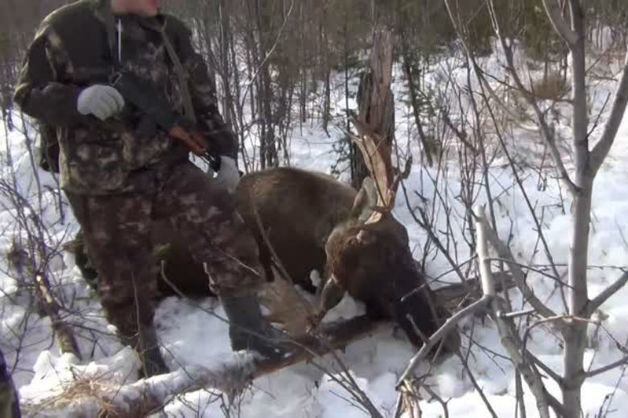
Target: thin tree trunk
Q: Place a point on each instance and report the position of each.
(224, 60)
(352, 149)
(576, 330)
(324, 50)
(268, 149)
(407, 67)
(303, 71)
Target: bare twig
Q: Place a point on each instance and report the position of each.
(517, 273)
(560, 25)
(601, 149)
(607, 293)
(508, 333)
(548, 134)
(451, 323)
(476, 385)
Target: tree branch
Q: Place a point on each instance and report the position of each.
(601, 149)
(589, 374)
(506, 328)
(551, 373)
(560, 25)
(438, 335)
(547, 133)
(607, 293)
(517, 273)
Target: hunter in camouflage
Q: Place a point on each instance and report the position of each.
(119, 174)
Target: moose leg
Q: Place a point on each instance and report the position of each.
(330, 296)
(414, 310)
(265, 255)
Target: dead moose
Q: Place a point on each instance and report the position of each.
(306, 221)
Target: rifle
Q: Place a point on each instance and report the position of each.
(157, 111)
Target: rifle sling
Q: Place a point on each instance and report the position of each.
(181, 75)
(110, 27)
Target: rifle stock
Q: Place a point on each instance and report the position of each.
(196, 143)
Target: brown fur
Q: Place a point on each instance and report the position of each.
(374, 264)
(310, 220)
(177, 264)
(298, 209)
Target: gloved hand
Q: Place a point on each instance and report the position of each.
(99, 100)
(228, 175)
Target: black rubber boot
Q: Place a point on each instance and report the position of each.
(146, 345)
(248, 330)
(153, 363)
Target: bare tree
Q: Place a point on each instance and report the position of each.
(569, 22)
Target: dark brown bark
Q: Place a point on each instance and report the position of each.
(375, 100)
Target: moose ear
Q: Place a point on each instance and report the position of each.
(365, 200)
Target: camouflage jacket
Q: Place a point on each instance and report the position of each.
(71, 51)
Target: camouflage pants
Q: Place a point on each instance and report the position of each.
(118, 239)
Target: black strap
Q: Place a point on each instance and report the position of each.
(110, 27)
(181, 75)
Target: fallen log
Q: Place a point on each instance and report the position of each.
(452, 295)
(146, 396)
(30, 271)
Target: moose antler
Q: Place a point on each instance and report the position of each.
(377, 153)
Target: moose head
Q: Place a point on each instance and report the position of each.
(368, 255)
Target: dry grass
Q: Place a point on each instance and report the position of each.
(88, 390)
(97, 389)
(551, 87)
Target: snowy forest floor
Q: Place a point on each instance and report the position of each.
(192, 336)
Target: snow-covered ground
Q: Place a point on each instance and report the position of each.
(191, 335)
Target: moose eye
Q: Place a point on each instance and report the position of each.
(365, 237)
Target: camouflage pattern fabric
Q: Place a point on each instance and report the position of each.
(114, 156)
(117, 234)
(120, 173)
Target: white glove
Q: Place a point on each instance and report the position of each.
(228, 176)
(99, 100)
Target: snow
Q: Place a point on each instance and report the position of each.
(193, 332)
